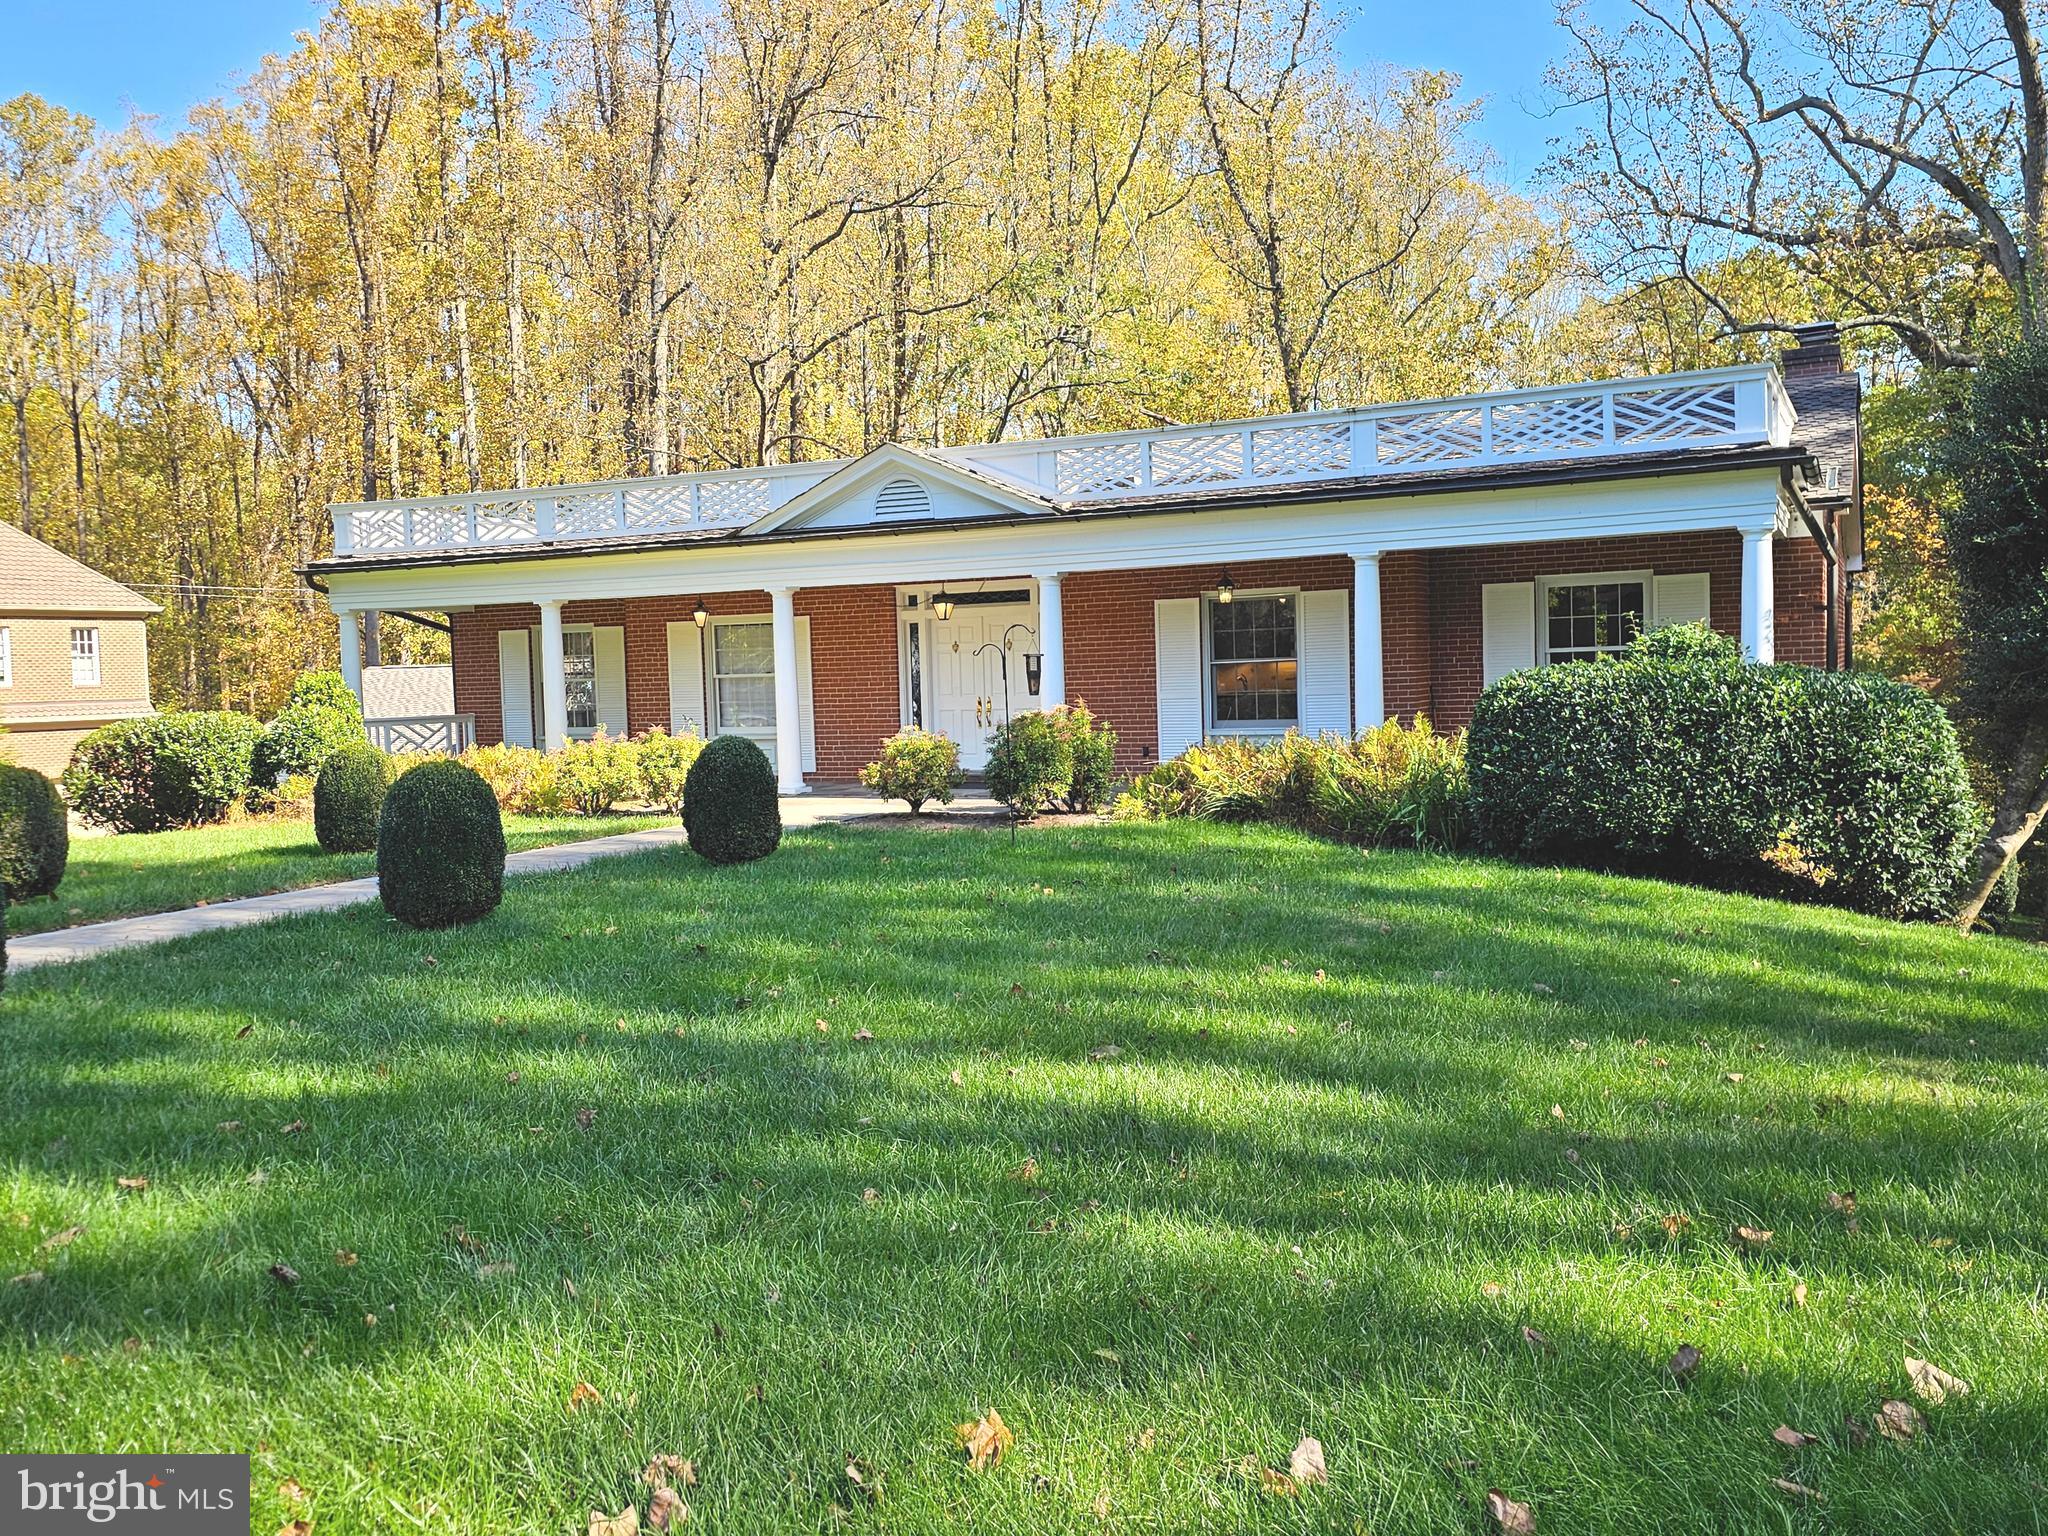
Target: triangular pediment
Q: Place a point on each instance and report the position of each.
(898, 487)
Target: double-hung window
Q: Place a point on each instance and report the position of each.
(1585, 617)
(85, 656)
(743, 675)
(1254, 680)
(579, 678)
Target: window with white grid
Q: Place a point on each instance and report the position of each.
(85, 655)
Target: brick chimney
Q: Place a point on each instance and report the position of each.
(1818, 350)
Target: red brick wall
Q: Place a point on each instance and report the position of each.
(1799, 576)
(1405, 631)
(854, 688)
(1110, 660)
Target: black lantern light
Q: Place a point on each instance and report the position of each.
(1225, 588)
(1034, 668)
(700, 613)
(942, 603)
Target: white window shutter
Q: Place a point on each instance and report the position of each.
(808, 716)
(608, 651)
(1682, 600)
(685, 679)
(1177, 651)
(1507, 616)
(1322, 651)
(515, 688)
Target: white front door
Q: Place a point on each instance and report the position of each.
(967, 675)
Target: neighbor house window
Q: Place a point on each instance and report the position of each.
(1585, 617)
(1253, 679)
(579, 677)
(743, 676)
(6, 657)
(85, 656)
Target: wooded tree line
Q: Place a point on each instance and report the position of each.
(444, 245)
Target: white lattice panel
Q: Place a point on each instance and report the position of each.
(1194, 460)
(581, 516)
(1563, 425)
(1097, 467)
(382, 530)
(1674, 415)
(504, 522)
(444, 734)
(433, 527)
(1431, 437)
(658, 506)
(1318, 450)
(726, 501)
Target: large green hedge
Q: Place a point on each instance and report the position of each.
(730, 809)
(440, 846)
(35, 837)
(177, 769)
(1679, 760)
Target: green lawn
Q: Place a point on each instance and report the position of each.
(1365, 1120)
(161, 871)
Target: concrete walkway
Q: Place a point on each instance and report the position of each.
(91, 939)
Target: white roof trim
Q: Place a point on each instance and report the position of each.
(890, 461)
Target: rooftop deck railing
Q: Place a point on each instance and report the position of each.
(1720, 408)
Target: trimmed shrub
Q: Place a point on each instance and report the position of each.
(597, 774)
(178, 769)
(1091, 745)
(1783, 779)
(35, 837)
(440, 846)
(730, 809)
(665, 763)
(298, 741)
(1393, 786)
(523, 779)
(915, 767)
(348, 797)
(326, 689)
(1030, 763)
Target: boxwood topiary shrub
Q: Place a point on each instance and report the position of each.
(1681, 761)
(730, 810)
(348, 797)
(35, 838)
(440, 846)
(178, 769)
(1030, 763)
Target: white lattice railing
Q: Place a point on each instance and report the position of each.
(1729, 406)
(443, 734)
(1721, 408)
(612, 509)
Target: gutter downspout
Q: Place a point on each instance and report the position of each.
(1831, 563)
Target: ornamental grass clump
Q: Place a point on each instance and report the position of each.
(440, 847)
(730, 809)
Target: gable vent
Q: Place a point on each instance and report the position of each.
(903, 498)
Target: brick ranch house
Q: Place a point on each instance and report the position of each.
(1322, 571)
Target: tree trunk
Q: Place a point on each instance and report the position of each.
(26, 481)
(2019, 814)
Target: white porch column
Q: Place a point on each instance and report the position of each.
(351, 653)
(1368, 668)
(554, 683)
(1759, 617)
(789, 729)
(1052, 640)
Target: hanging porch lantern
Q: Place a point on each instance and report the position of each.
(942, 603)
(1225, 588)
(700, 613)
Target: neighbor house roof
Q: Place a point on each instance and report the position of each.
(34, 578)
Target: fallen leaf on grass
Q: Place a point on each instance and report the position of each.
(1026, 1172)
(863, 1479)
(1276, 1483)
(136, 1185)
(345, 1257)
(228, 1127)
(665, 1471)
(30, 1277)
(583, 1392)
(284, 1275)
(1105, 1052)
(292, 1129)
(1684, 1362)
(1931, 1384)
(1674, 1223)
(1733, 1077)
(1792, 1439)
(863, 1035)
(985, 1440)
(1842, 1202)
(1898, 1421)
(1797, 1490)
(1537, 1340)
(1492, 1288)
(1306, 1464)
(1753, 1237)
(291, 1491)
(492, 1271)
(296, 1528)
(1799, 1294)
(62, 1239)
(586, 1117)
(666, 1508)
(625, 1523)
(955, 1078)
(1510, 1517)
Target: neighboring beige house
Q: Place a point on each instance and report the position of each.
(72, 652)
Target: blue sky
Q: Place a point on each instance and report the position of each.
(108, 57)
